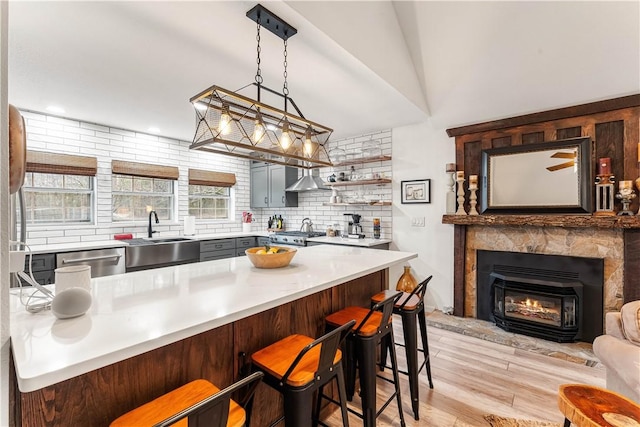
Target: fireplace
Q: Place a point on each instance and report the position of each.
(547, 309)
(554, 297)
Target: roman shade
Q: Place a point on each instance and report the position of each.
(44, 162)
(144, 169)
(217, 179)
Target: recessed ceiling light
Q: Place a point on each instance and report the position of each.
(55, 109)
(154, 129)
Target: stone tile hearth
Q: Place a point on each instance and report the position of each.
(579, 352)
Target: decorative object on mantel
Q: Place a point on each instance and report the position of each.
(460, 179)
(473, 200)
(604, 188)
(232, 124)
(406, 282)
(416, 191)
(451, 188)
(626, 195)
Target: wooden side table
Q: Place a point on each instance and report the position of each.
(589, 406)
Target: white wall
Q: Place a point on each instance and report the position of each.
(421, 152)
(60, 135)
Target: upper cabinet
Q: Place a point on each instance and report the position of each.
(268, 183)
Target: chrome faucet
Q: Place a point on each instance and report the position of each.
(150, 228)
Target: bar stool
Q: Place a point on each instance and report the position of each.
(374, 325)
(195, 404)
(297, 366)
(410, 307)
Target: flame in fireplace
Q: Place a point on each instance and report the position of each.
(532, 303)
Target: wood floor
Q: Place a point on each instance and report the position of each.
(473, 377)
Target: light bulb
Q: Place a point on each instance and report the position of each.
(258, 129)
(308, 144)
(224, 127)
(285, 138)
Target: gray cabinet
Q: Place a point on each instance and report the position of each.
(243, 243)
(268, 182)
(217, 249)
(43, 268)
(225, 248)
(263, 241)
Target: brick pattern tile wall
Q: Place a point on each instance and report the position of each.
(313, 204)
(60, 135)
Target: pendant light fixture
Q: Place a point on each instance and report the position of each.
(237, 125)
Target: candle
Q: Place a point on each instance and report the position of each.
(473, 182)
(604, 166)
(625, 185)
(451, 167)
(460, 175)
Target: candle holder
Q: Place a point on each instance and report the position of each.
(626, 195)
(460, 179)
(605, 195)
(473, 200)
(451, 193)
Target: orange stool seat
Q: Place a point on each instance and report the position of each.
(279, 356)
(358, 314)
(175, 401)
(407, 300)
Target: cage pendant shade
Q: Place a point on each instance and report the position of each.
(230, 123)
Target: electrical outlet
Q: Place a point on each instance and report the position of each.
(417, 221)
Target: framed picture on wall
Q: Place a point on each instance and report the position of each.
(417, 191)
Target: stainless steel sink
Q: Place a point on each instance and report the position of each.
(142, 254)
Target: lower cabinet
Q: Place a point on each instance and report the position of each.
(263, 241)
(225, 248)
(43, 268)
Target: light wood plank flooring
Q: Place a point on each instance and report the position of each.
(473, 377)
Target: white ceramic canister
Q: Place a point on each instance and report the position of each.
(75, 276)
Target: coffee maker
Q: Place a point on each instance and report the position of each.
(352, 226)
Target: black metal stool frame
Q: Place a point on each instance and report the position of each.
(361, 352)
(409, 329)
(298, 401)
(214, 410)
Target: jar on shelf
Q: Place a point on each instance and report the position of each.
(337, 155)
(371, 148)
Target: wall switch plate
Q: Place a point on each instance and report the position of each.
(417, 221)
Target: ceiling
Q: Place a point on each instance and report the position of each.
(357, 67)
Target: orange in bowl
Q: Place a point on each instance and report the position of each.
(260, 258)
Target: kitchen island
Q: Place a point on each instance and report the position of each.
(151, 331)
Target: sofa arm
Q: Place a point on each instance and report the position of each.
(621, 358)
(614, 325)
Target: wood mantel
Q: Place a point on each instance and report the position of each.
(581, 221)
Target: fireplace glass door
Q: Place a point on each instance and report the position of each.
(534, 308)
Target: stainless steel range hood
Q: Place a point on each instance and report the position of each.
(308, 182)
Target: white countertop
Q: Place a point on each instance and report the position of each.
(104, 244)
(137, 312)
(366, 242)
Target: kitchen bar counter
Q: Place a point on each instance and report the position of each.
(137, 312)
(152, 331)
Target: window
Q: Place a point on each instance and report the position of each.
(58, 198)
(210, 194)
(209, 202)
(134, 196)
(59, 188)
(137, 188)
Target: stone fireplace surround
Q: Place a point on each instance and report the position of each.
(582, 242)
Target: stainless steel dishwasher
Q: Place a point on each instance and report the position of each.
(103, 262)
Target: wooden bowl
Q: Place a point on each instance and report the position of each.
(278, 260)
